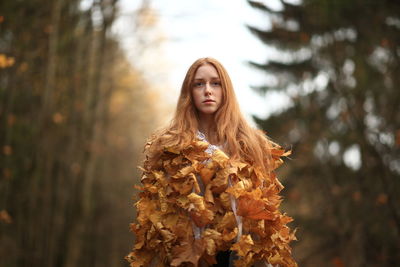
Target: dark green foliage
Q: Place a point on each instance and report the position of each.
(343, 80)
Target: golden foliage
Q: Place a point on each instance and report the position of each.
(5, 61)
(191, 188)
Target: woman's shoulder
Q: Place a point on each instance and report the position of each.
(168, 138)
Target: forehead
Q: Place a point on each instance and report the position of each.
(206, 71)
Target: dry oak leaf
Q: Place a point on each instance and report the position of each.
(182, 173)
(212, 240)
(228, 221)
(189, 252)
(225, 200)
(139, 258)
(163, 201)
(208, 195)
(279, 152)
(220, 158)
(276, 258)
(196, 151)
(184, 228)
(228, 236)
(252, 206)
(184, 187)
(207, 172)
(177, 161)
(183, 202)
(244, 245)
(200, 214)
(197, 201)
(170, 220)
(236, 190)
(202, 218)
(283, 237)
(170, 168)
(146, 179)
(220, 182)
(172, 149)
(145, 208)
(160, 177)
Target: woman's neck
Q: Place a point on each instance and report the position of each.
(207, 127)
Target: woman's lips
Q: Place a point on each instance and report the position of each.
(208, 101)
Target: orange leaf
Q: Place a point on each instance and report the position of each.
(208, 196)
(251, 205)
(206, 174)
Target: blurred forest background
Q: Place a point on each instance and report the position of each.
(74, 114)
(339, 61)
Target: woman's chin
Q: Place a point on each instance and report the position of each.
(208, 112)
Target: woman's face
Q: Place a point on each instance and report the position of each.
(207, 90)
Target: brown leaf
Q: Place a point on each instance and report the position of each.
(206, 174)
(172, 149)
(188, 252)
(200, 214)
(5, 217)
(220, 181)
(227, 222)
(212, 239)
(197, 200)
(140, 258)
(184, 187)
(229, 236)
(279, 152)
(202, 217)
(220, 158)
(251, 205)
(145, 208)
(244, 245)
(225, 200)
(183, 172)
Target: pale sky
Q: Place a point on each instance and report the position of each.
(215, 28)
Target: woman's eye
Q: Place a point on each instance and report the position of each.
(216, 83)
(198, 84)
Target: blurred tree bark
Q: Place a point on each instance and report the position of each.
(338, 61)
(70, 108)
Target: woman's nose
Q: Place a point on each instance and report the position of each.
(207, 90)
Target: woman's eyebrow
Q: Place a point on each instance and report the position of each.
(201, 79)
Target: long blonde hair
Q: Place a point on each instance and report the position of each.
(241, 141)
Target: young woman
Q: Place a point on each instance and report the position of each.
(209, 196)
